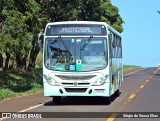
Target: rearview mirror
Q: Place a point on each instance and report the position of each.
(41, 39)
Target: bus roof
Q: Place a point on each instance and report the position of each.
(76, 22)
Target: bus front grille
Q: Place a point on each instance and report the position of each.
(75, 77)
(72, 84)
(77, 90)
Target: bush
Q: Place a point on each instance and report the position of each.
(13, 83)
(20, 85)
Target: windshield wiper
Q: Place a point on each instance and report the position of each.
(64, 44)
(87, 42)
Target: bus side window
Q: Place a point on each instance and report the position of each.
(119, 48)
(114, 47)
(110, 44)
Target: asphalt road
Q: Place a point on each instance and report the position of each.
(140, 97)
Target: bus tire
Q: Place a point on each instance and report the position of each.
(56, 99)
(117, 93)
(107, 100)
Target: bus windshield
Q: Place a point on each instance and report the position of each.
(76, 53)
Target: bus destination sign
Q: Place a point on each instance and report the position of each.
(75, 30)
(53, 30)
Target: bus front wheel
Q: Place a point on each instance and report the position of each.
(117, 93)
(107, 100)
(56, 99)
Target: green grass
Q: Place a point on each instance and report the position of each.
(13, 83)
(126, 67)
(7, 93)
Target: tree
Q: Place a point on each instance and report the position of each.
(110, 15)
(1, 24)
(16, 33)
(15, 38)
(90, 10)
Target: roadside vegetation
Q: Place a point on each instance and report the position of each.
(127, 67)
(15, 82)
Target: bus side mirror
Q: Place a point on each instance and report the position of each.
(41, 39)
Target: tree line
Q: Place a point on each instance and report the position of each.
(22, 20)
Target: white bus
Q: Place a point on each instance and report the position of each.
(81, 58)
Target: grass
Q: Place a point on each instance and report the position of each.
(7, 93)
(127, 67)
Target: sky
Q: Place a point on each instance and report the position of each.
(141, 35)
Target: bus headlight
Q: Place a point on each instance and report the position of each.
(51, 81)
(100, 81)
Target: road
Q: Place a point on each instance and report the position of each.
(139, 93)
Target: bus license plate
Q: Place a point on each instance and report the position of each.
(99, 90)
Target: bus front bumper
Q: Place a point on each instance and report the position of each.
(103, 90)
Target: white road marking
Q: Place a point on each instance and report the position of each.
(31, 107)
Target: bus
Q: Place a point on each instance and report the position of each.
(81, 58)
